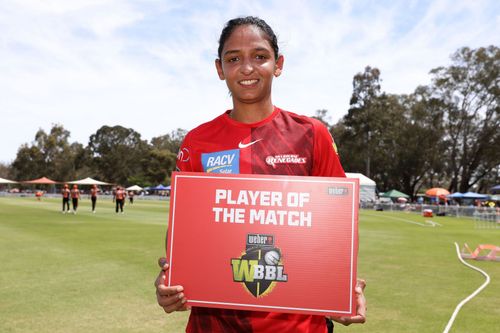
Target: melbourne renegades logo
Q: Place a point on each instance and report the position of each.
(260, 267)
(285, 159)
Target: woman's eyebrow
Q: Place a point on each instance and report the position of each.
(259, 49)
(230, 52)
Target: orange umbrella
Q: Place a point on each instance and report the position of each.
(437, 192)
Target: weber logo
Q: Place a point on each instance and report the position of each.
(338, 190)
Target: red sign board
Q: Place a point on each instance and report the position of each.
(262, 242)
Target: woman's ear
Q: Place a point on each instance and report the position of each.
(279, 65)
(218, 66)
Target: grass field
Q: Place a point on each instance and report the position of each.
(95, 272)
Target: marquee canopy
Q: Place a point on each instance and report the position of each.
(394, 194)
(6, 181)
(495, 189)
(474, 195)
(88, 181)
(43, 180)
(160, 187)
(134, 188)
(367, 187)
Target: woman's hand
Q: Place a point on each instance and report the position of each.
(169, 298)
(360, 316)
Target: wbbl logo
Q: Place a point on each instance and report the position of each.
(260, 267)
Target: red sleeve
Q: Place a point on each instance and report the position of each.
(326, 160)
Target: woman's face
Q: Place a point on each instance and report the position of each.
(248, 65)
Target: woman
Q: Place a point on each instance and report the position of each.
(93, 196)
(75, 196)
(65, 192)
(254, 137)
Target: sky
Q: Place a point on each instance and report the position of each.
(149, 65)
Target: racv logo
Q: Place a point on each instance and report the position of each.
(285, 159)
(242, 145)
(226, 161)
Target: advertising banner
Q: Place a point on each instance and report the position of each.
(262, 242)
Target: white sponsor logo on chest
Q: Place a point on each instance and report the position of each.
(219, 160)
(285, 159)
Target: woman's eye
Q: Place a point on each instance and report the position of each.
(233, 59)
(260, 56)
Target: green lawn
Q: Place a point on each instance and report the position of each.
(95, 272)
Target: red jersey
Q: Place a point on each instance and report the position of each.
(282, 144)
(93, 192)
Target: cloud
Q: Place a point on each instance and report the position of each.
(149, 65)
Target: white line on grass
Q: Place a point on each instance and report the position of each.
(426, 224)
(471, 296)
(432, 223)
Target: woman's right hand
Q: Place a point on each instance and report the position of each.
(169, 298)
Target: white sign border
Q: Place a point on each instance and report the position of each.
(314, 180)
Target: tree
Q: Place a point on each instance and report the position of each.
(58, 153)
(170, 142)
(162, 156)
(118, 153)
(470, 90)
(29, 163)
(159, 166)
(417, 146)
(362, 116)
(395, 139)
(322, 115)
(50, 155)
(5, 170)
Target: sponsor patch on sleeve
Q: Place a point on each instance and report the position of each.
(335, 148)
(226, 161)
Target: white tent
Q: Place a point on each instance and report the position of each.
(6, 181)
(366, 186)
(88, 181)
(134, 188)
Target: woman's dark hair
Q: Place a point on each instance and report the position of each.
(249, 20)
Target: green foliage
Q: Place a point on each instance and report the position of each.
(4, 170)
(117, 153)
(29, 163)
(442, 135)
(470, 91)
(114, 154)
(171, 142)
(159, 166)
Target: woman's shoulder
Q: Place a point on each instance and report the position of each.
(299, 118)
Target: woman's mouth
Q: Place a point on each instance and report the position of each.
(248, 82)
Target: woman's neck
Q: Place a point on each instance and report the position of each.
(251, 113)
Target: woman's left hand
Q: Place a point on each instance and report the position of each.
(360, 316)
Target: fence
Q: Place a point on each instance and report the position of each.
(85, 196)
(485, 217)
